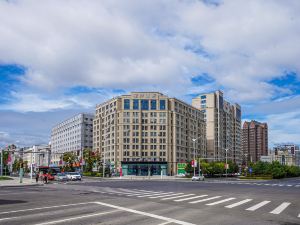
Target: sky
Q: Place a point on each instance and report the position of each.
(62, 57)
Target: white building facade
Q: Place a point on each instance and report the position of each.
(38, 155)
(72, 135)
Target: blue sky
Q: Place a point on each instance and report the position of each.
(59, 58)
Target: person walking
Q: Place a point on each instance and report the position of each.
(37, 177)
(46, 178)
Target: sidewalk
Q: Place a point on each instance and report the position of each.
(137, 178)
(16, 182)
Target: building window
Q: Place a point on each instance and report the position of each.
(135, 104)
(153, 104)
(145, 104)
(203, 97)
(162, 104)
(203, 101)
(126, 104)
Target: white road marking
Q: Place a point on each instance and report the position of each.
(221, 201)
(167, 219)
(205, 200)
(280, 208)
(166, 193)
(144, 193)
(162, 196)
(164, 223)
(289, 185)
(255, 207)
(10, 218)
(185, 199)
(46, 207)
(299, 215)
(177, 197)
(76, 218)
(134, 191)
(238, 203)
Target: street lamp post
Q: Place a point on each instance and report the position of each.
(31, 160)
(194, 141)
(226, 149)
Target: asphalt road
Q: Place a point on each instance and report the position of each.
(157, 202)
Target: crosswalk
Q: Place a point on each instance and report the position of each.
(263, 183)
(228, 202)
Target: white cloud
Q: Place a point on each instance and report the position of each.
(142, 45)
(284, 127)
(113, 44)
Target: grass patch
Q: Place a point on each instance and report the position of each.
(5, 178)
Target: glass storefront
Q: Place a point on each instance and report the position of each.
(144, 168)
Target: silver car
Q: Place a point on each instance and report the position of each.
(73, 176)
(61, 177)
(198, 178)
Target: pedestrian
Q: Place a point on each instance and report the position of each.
(46, 178)
(37, 177)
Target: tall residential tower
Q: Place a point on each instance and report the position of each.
(255, 140)
(223, 126)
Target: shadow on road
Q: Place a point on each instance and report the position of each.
(8, 202)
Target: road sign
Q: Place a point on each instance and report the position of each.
(181, 168)
(250, 170)
(194, 163)
(226, 166)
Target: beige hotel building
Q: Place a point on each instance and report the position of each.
(148, 133)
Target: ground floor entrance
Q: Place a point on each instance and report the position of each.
(144, 168)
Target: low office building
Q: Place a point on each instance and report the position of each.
(148, 133)
(37, 155)
(72, 135)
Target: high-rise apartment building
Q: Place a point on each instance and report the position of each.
(223, 126)
(254, 140)
(72, 135)
(146, 133)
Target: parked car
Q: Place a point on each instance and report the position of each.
(198, 178)
(73, 176)
(61, 177)
(180, 175)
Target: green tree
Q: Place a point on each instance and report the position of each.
(233, 167)
(98, 160)
(188, 168)
(69, 158)
(16, 165)
(89, 158)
